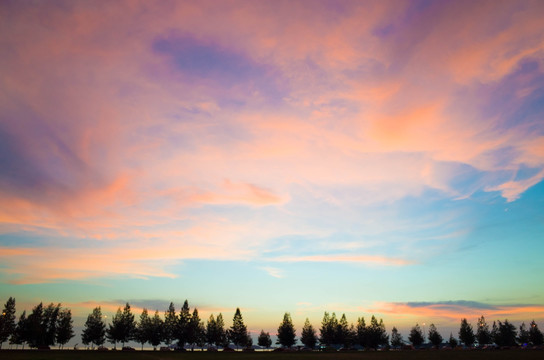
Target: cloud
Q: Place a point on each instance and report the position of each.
(346, 258)
(455, 310)
(274, 272)
(126, 124)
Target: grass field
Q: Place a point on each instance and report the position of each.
(152, 355)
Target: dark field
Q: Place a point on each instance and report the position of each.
(391, 355)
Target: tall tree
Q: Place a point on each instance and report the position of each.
(238, 332)
(182, 330)
(20, 336)
(466, 334)
(376, 334)
(452, 341)
(308, 336)
(362, 333)
(65, 328)
(157, 328)
(535, 335)
(122, 327)
(416, 336)
(50, 324)
(196, 332)
(523, 335)
(170, 324)
(94, 330)
(505, 334)
(221, 333)
(342, 333)
(328, 329)
(115, 328)
(35, 334)
(434, 336)
(483, 334)
(396, 338)
(7, 321)
(142, 333)
(264, 339)
(286, 332)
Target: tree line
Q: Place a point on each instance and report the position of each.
(49, 325)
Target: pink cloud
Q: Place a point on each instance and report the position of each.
(359, 259)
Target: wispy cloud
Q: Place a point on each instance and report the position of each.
(346, 258)
(455, 310)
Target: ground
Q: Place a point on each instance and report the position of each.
(152, 355)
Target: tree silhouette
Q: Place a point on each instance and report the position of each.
(483, 334)
(94, 330)
(286, 332)
(122, 327)
(196, 334)
(452, 341)
(535, 335)
(504, 334)
(523, 335)
(65, 329)
(264, 340)
(376, 334)
(182, 329)
(308, 336)
(142, 333)
(362, 332)
(396, 338)
(7, 321)
(434, 336)
(156, 330)
(20, 336)
(170, 324)
(238, 332)
(328, 329)
(466, 334)
(416, 336)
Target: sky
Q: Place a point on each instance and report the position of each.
(357, 157)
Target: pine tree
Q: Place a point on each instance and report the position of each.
(156, 330)
(286, 332)
(221, 334)
(50, 324)
(65, 328)
(452, 341)
(416, 336)
(376, 334)
(434, 336)
(94, 330)
(238, 332)
(362, 333)
(182, 330)
(342, 334)
(128, 325)
(523, 335)
(20, 336)
(114, 330)
(34, 327)
(142, 332)
(170, 324)
(483, 335)
(328, 329)
(264, 340)
(535, 335)
(7, 321)
(308, 336)
(505, 334)
(466, 335)
(396, 338)
(196, 332)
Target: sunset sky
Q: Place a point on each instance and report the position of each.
(358, 157)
